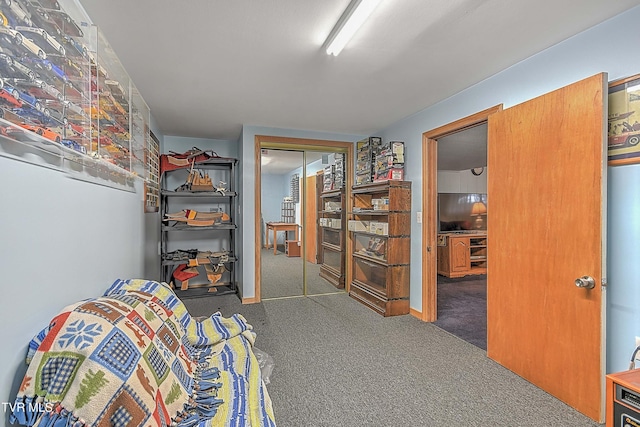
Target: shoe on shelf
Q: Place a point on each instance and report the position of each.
(180, 255)
(209, 257)
(195, 218)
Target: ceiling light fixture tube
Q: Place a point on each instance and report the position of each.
(353, 17)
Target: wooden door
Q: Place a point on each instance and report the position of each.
(546, 165)
(310, 222)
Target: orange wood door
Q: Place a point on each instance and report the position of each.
(546, 163)
(310, 222)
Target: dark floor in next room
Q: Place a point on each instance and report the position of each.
(462, 308)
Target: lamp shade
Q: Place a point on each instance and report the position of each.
(478, 208)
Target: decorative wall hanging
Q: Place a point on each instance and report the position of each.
(152, 183)
(623, 135)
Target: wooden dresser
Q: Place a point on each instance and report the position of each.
(462, 254)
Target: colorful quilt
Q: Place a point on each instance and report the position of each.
(136, 357)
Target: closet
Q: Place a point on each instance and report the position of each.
(294, 172)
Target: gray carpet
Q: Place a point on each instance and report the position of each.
(282, 276)
(337, 363)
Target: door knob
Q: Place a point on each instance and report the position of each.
(586, 282)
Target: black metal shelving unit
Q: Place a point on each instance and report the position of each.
(220, 237)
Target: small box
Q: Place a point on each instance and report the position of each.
(381, 228)
(380, 204)
(333, 206)
(397, 174)
(357, 225)
(328, 178)
(388, 174)
(292, 248)
(363, 178)
(335, 223)
(397, 149)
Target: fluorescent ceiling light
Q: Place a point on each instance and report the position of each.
(633, 88)
(353, 17)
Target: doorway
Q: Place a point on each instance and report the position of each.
(535, 326)
(462, 234)
(291, 268)
(430, 192)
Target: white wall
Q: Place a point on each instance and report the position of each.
(180, 144)
(275, 189)
(462, 182)
(591, 52)
(623, 246)
(311, 170)
(63, 240)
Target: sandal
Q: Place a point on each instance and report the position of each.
(198, 219)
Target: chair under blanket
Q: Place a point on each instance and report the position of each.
(136, 357)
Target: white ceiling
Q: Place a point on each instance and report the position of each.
(463, 150)
(281, 162)
(205, 67)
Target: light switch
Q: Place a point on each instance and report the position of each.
(419, 217)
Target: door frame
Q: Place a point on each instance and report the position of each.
(303, 144)
(429, 205)
(319, 186)
(310, 221)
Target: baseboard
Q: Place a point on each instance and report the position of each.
(415, 313)
(252, 300)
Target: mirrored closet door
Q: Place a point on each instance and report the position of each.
(302, 222)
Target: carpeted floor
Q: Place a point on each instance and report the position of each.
(338, 363)
(462, 308)
(282, 276)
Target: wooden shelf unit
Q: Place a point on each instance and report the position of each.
(462, 254)
(381, 246)
(623, 398)
(332, 234)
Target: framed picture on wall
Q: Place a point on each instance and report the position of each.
(623, 136)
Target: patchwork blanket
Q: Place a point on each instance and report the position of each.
(136, 357)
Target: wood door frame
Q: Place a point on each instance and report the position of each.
(319, 186)
(288, 143)
(429, 203)
(310, 221)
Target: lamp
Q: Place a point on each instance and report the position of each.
(353, 17)
(478, 209)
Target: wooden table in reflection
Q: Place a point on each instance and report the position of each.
(279, 226)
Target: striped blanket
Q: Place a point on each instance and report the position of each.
(136, 357)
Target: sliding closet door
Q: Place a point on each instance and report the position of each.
(320, 241)
(282, 271)
(292, 172)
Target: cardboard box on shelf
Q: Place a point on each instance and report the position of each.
(357, 225)
(332, 206)
(380, 204)
(397, 149)
(381, 228)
